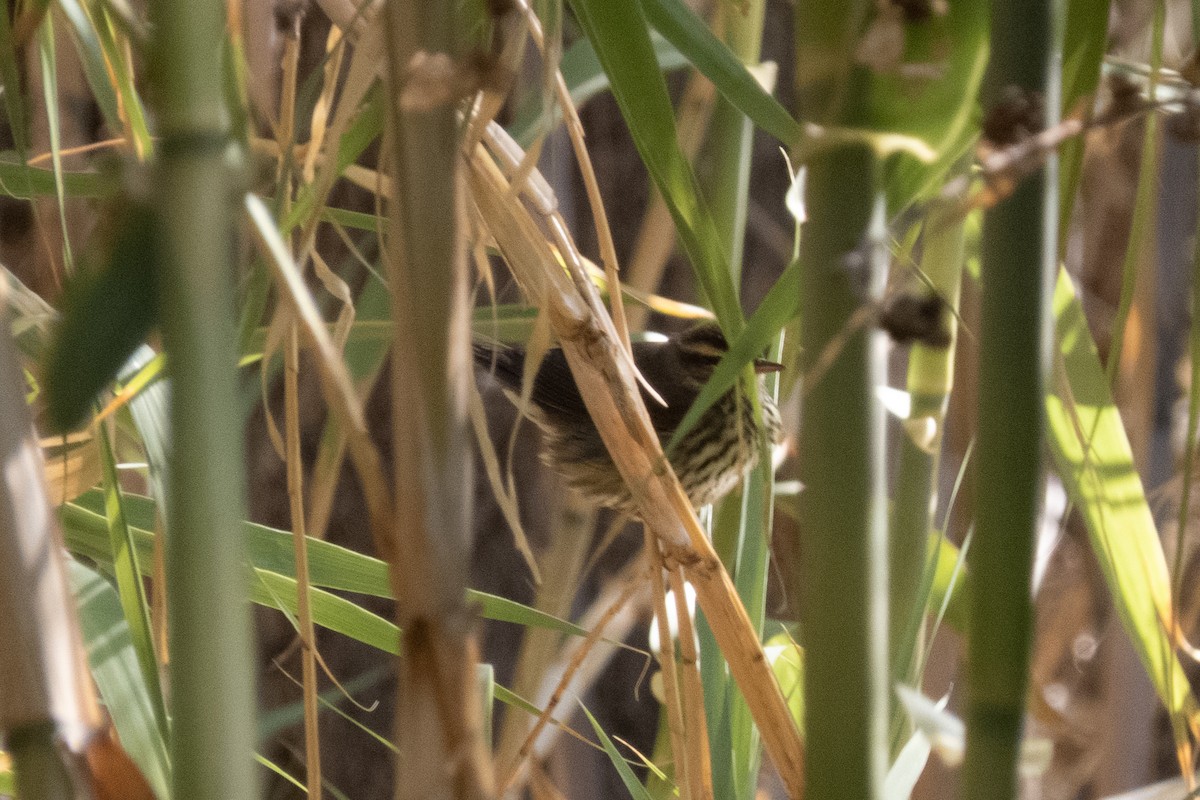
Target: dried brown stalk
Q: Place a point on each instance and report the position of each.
(685, 767)
(699, 754)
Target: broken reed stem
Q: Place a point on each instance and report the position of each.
(672, 697)
(695, 716)
(438, 722)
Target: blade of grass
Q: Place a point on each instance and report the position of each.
(130, 588)
(330, 566)
(24, 182)
(632, 784)
(621, 37)
(585, 79)
(49, 64)
(680, 26)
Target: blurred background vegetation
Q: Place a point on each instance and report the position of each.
(279, 224)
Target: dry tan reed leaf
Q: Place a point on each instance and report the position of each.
(335, 382)
(295, 492)
(72, 466)
(505, 499)
(682, 747)
(318, 125)
(696, 716)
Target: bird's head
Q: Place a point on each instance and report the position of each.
(703, 345)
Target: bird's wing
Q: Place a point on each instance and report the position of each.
(554, 391)
(556, 394)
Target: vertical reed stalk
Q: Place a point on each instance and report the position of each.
(212, 696)
(842, 580)
(286, 133)
(308, 638)
(684, 766)
(1018, 257)
(731, 136)
(438, 721)
(48, 705)
(843, 558)
(930, 378)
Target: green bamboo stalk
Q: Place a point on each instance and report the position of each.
(1018, 257)
(842, 577)
(843, 552)
(212, 692)
(438, 720)
(930, 378)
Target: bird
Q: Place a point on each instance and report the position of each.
(710, 459)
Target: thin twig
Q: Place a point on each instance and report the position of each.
(594, 636)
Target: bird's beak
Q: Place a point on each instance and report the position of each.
(762, 366)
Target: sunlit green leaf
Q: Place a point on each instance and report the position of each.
(1093, 457)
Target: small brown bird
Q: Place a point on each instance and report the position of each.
(710, 459)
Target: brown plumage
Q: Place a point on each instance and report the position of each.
(710, 459)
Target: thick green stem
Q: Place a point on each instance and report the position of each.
(842, 579)
(212, 694)
(843, 552)
(1018, 256)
